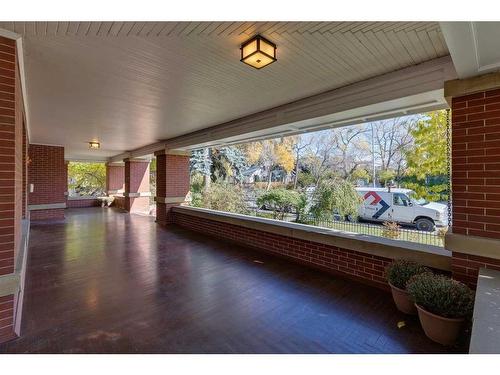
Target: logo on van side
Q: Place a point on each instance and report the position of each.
(376, 200)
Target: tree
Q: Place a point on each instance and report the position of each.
(272, 154)
(351, 149)
(229, 162)
(385, 176)
(281, 201)
(223, 196)
(300, 144)
(392, 139)
(318, 159)
(427, 160)
(335, 196)
(87, 179)
(201, 162)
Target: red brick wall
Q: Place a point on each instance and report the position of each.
(161, 175)
(47, 171)
(25, 172)
(81, 203)
(136, 181)
(465, 267)
(172, 180)
(475, 176)
(476, 164)
(177, 175)
(11, 174)
(360, 266)
(136, 176)
(115, 177)
(7, 155)
(7, 318)
(119, 202)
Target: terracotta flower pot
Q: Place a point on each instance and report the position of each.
(440, 329)
(403, 301)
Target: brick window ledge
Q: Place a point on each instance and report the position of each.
(432, 256)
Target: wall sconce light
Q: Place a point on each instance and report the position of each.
(94, 145)
(258, 52)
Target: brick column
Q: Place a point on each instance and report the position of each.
(24, 166)
(172, 182)
(11, 189)
(115, 178)
(475, 235)
(137, 193)
(48, 174)
(66, 173)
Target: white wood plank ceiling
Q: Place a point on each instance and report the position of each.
(129, 84)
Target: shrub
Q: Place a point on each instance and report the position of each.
(222, 196)
(281, 201)
(441, 295)
(335, 196)
(391, 230)
(400, 271)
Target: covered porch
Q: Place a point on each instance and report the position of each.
(193, 280)
(104, 281)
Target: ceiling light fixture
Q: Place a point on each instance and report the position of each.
(258, 52)
(94, 145)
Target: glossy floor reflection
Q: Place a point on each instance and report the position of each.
(108, 282)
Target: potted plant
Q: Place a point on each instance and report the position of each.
(398, 273)
(443, 304)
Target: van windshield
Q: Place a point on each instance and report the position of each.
(413, 198)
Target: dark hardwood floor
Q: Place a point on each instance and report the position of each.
(109, 282)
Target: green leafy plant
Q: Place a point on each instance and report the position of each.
(335, 196)
(87, 179)
(386, 175)
(400, 271)
(221, 196)
(281, 201)
(441, 295)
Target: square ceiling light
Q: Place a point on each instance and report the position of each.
(258, 52)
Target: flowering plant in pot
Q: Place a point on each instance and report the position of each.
(443, 304)
(398, 273)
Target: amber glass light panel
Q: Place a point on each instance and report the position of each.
(258, 52)
(94, 145)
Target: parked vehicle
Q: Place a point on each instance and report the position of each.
(400, 205)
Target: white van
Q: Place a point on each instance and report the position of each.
(400, 205)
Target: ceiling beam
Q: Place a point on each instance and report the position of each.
(473, 47)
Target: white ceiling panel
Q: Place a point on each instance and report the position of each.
(130, 84)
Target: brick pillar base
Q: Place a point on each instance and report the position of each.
(172, 183)
(475, 236)
(137, 193)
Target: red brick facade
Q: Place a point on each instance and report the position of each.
(475, 176)
(360, 266)
(25, 173)
(12, 176)
(172, 183)
(47, 173)
(115, 177)
(476, 164)
(465, 267)
(81, 203)
(10, 186)
(136, 181)
(7, 318)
